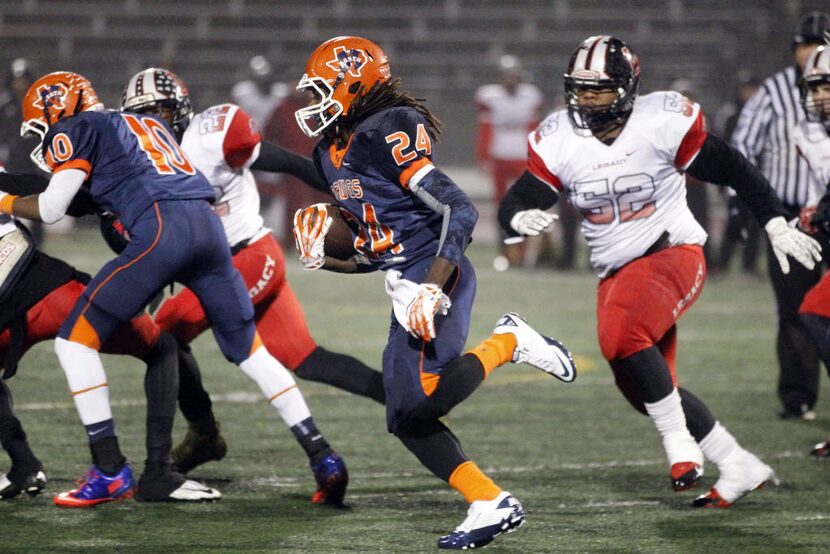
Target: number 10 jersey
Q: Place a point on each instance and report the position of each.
(631, 191)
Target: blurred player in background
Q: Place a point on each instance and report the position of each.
(132, 166)
(812, 139)
(764, 136)
(741, 226)
(507, 111)
(37, 293)
(259, 94)
(620, 159)
(14, 149)
(223, 144)
(412, 221)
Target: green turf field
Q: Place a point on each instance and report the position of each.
(589, 470)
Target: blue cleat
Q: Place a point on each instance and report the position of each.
(332, 479)
(97, 488)
(486, 520)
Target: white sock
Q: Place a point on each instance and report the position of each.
(87, 380)
(667, 414)
(719, 444)
(278, 386)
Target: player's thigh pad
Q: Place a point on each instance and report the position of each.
(640, 303)
(222, 293)
(125, 285)
(411, 367)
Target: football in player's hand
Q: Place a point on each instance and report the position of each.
(338, 243)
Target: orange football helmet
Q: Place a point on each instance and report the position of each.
(51, 98)
(336, 72)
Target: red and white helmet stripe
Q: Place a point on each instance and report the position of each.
(590, 61)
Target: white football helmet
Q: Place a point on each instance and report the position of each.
(814, 86)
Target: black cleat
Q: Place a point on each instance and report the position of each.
(685, 476)
(32, 484)
(200, 445)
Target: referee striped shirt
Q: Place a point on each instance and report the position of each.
(764, 135)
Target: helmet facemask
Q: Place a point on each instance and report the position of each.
(35, 128)
(815, 99)
(814, 87)
(602, 63)
(602, 117)
(314, 118)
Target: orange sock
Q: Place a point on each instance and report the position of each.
(469, 480)
(494, 351)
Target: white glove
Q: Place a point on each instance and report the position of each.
(415, 305)
(532, 222)
(310, 227)
(787, 241)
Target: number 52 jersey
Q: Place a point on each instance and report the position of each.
(631, 191)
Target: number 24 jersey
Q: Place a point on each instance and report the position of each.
(631, 191)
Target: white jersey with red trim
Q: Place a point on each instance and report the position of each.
(511, 116)
(629, 192)
(222, 143)
(813, 144)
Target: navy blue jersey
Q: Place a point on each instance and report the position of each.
(130, 160)
(371, 178)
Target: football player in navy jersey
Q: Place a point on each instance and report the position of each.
(132, 166)
(411, 220)
(36, 295)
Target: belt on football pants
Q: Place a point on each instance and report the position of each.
(660, 244)
(237, 248)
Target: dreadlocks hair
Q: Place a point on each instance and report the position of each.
(380, 97)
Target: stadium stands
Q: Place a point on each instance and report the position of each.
(444, 49)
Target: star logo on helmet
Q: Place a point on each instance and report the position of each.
(51, 96)
(350, 61)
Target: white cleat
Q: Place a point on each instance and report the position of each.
(193, 491)
(741, 473)
(537, 350)
(486, 520)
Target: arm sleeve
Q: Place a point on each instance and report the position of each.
(27, 184)
(53, 203)
(527, 192)
(276, 159)
(719, 163)
(435, 189)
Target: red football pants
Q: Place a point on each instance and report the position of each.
(817, 299)
(638, 306)
(45, 318)
(505, 173)
(278, 314)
